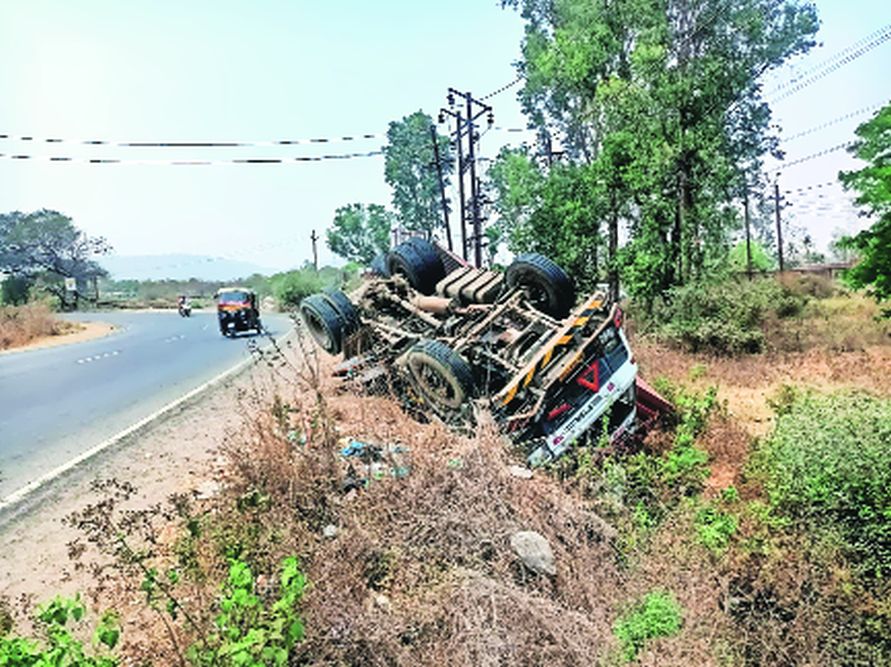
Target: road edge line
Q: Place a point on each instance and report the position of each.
(22, 493)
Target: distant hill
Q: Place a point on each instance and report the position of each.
(178, 267)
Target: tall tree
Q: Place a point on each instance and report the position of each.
(410, 170)
(873, 185)
(663, 97)
(47, 244)
(360, 232)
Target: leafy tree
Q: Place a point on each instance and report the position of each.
(663, 101)
(737, 259)
(360, 232)
(873, 183)
(45, 244)
(410, 169)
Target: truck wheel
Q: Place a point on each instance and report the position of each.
(345, 309)
(325, 324)
(379, 266)
(550, 290)
(419, 262)
(441, 375)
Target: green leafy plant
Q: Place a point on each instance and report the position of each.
(827, 466)
(58, 646)
(715, 528)
(657, 615)
(248, 630)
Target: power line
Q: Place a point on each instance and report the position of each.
(506, 86)
(192, 144)
(878, 38)
(235, 161)
(32, 140)
(831, 60)
(829, 123)
(813, 156)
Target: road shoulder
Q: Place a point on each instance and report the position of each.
(85, 331)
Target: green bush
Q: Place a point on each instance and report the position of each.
(724, 317)
(249, 630)
(827, 466)
(58, 646)
(657, 615)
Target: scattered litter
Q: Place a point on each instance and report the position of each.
(535, 552)
(455, 463)
(353, 448)
(330, 531)
(380, 462)
(520, 472)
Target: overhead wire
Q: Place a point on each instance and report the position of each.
(833, 59)
(829, 123)
(876, 39)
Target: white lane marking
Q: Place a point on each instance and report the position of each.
(18, 495)
(97, 357)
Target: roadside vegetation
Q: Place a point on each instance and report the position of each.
(700, 545)
(20, 325)
(752, 527)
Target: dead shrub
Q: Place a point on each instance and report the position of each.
(19, 325)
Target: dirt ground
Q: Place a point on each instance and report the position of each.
(177, 454)
(79, 333)
(748, 383)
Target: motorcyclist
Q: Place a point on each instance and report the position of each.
(182, 303)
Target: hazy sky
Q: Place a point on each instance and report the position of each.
(235, 71)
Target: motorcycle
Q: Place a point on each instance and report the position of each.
(185, 310)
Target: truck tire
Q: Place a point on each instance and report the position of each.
(550, 289)
(345, 309)
(419, 262)
(325, 324)
(440, 374)
(379, 266)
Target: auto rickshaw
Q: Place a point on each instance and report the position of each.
(237, 310)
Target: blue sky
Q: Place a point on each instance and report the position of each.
(212, 71)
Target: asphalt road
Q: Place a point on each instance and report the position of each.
(57, 402)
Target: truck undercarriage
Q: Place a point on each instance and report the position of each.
(447, 338)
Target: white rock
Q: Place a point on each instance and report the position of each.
(535, 552)
(520, 472)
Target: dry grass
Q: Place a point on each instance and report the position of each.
(20, 325)
(838, 322)
(420, 570)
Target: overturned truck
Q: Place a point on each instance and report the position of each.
(442, 336)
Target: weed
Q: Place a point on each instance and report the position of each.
(714, 529)
(248, 630)
(657, 615)
(58, 645)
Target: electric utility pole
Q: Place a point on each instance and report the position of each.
(315, 250)
(465, 126)
(776, 202)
